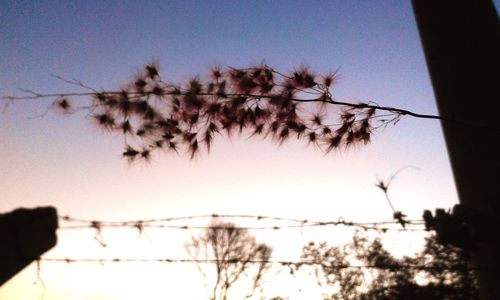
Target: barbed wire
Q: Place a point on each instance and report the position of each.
(284, 263)
(418, 225)
(270, 227)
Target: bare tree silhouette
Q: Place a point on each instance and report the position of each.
(235, 254)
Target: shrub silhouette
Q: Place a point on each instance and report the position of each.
(437, 272)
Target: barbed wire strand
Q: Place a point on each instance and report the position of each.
(141, 227)
(285, 263)
(242, 216)
(300, 223)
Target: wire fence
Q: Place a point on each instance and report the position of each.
(72, 223)
(252, 222)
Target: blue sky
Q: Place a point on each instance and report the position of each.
(67, 162)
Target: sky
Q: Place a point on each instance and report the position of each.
(67, 162)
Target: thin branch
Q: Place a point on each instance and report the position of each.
(399, 216)
(35, 95)
(258, 100)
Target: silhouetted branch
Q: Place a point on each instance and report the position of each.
(399, 216)
(258, 100)
(329, 100)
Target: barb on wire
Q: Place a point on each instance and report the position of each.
(98, 233)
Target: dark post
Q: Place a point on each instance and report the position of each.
(461, 45)
(25, 234)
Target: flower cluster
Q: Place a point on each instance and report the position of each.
(153, 114)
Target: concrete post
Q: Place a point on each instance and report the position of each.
(25, 234)
(461, 41)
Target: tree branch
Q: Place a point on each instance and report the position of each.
(258, 100)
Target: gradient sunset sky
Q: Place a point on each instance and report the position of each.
(67, 162)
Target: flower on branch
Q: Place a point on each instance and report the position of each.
(153, 114)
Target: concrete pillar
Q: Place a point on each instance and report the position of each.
(461, 41)
(25, 234)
